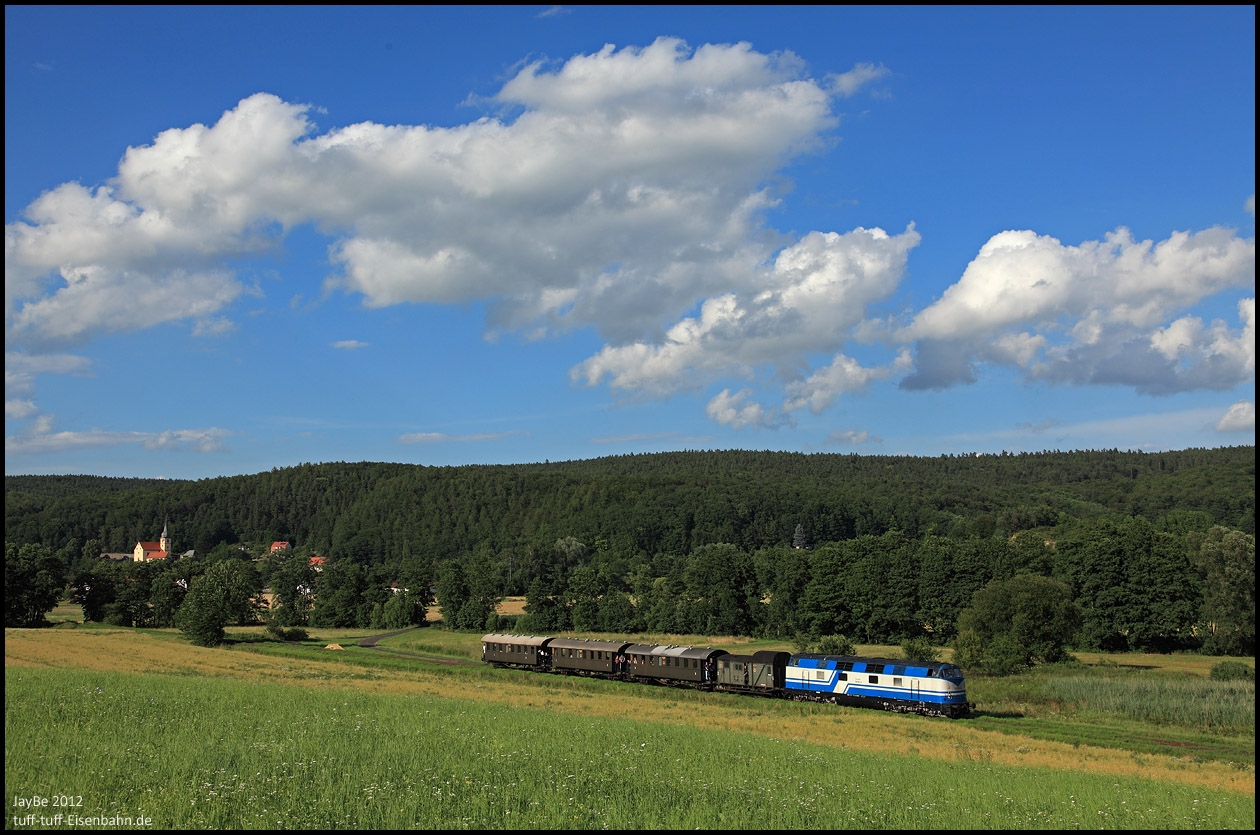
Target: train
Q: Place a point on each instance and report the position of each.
(929, 688)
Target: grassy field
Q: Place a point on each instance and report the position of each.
(420, 734)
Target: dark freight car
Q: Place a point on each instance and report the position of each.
(586, 657)
(762, 672)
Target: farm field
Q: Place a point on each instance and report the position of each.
(420, 734)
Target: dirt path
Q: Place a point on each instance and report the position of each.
(370, 642)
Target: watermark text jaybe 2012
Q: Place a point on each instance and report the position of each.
(65, 811)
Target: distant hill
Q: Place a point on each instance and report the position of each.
(635, 504)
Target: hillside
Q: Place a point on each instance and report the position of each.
(636, 504)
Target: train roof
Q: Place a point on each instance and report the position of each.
(519, 640)
(674, 652)
(855, 659)
(761, 656)
(584, 643)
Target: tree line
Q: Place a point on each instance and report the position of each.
(1154, 550)
(636, 504)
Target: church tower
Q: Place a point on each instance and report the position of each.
(165, 541)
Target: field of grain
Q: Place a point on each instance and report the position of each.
(417, 733)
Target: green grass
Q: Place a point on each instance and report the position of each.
(204, 753)
(1144, 710)
(1228, 706)
(1102, 731)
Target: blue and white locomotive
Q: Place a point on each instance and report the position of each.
(931, 688)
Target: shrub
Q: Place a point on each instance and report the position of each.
(1232, 671)
(278, 632)
(919, 649)
(836, 645)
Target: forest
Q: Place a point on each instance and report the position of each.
(1152, 546)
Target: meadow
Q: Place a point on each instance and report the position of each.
(418, 734)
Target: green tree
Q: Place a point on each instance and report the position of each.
(452, 591)
(94, 589)
(293, 585)
(661, 602)
(566, 555)
(89, 555)
(1228, 561)
(805, 642)
(339, 600)
(544, 610)
(825, 607)
(402, 610)
(485, 586)
(585, 589)
(937, 604)
(616, 612)
(783, 573)
(864, 587)
(131, 600)
(169, 588)
(1137, 587)
(883, 587)
(1013, 624)
(1170, 594)
(719, 592)
(224, 594)
(34, 578)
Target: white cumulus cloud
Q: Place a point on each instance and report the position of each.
(1101, 312)
(1240, 417)
(734, 409)
(808, 300)
(624, 191)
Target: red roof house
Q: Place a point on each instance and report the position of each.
(145, 551)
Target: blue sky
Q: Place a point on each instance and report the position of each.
(246, 238)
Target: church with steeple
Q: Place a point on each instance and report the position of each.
(160, 550)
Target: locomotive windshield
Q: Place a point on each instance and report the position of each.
(949, 671)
